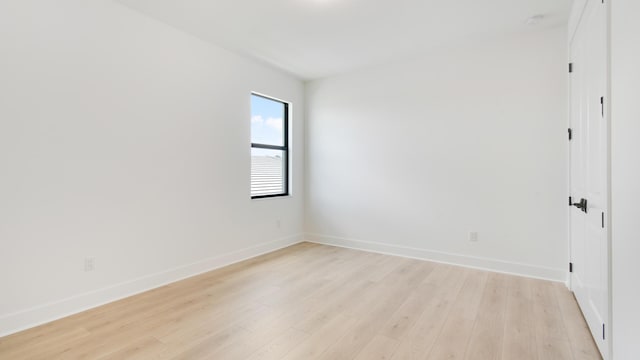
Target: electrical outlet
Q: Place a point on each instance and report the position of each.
(473, 236)
(89, 264)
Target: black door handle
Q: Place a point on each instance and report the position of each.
(582, 205)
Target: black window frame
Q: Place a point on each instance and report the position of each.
(284, 148)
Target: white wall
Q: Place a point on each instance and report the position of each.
(410, 156)
(625, 178)
(124, 139)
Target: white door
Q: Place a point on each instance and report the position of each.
(589, 169)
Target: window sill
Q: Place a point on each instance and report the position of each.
(267, 197)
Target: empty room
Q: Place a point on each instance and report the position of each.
(319, 179)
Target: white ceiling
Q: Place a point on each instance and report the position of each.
(318, 38)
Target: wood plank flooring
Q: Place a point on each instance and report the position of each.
(312, 301)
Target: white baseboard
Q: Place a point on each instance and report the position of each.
(537, 272)
(18, 321)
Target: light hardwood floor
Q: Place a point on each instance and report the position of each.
(312, 301)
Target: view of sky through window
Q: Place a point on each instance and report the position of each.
(266, 121)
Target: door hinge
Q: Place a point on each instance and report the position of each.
(603, 220)
(570, 201)
(603, 336)
(570, 133)
(602, 106)
(570, 267)
(570, 67)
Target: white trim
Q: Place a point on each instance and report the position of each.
(531, 271)
(25, 319)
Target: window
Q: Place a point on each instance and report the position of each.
(269, 147)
